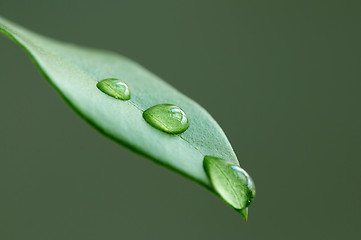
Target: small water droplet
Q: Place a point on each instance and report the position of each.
(115, 88)
(231, 181)
(167, 118)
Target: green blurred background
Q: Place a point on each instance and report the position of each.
(282, 78)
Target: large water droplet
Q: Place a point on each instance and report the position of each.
(231, 181)
(115, 88)
(167, 117)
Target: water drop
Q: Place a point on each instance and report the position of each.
(231, 181)
(167, 118)
(115, 88)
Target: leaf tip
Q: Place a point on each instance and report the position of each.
(243, 213)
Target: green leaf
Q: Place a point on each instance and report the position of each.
(75, 71)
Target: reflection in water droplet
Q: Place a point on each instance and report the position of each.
(167, 117)
(115, 88)
(231, 181)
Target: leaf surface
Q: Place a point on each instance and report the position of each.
(74, 71)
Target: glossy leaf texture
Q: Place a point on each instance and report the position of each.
(75, 71)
